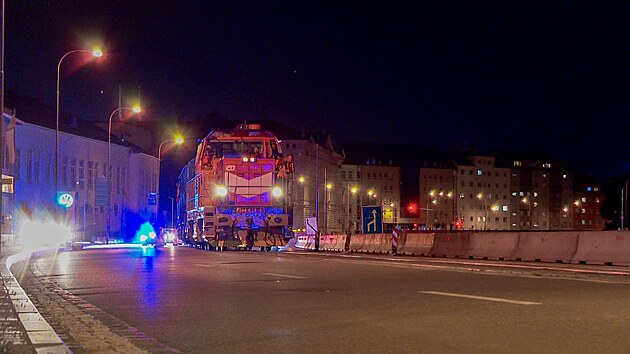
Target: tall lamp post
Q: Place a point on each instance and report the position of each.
(135, 109)
(178, 140)
(96, 53)
(172, 211)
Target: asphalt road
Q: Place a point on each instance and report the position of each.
(193, 301)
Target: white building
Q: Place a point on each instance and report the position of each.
(82, 169)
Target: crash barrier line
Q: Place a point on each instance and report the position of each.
(40, 333)
(585, 247)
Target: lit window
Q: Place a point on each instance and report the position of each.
(535, 204)
(583, 199)
(505, 208)
(583, 211)
(583, 222)
(564, 176)
(596, 189)
(461, 195)
(535, 194)
(521, 194)
(518, 163)
(589, 189)
(479, 173)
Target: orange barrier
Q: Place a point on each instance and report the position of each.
(493, 245)
(547, 246)
(450, 245)
(415, 243)
(603, 247)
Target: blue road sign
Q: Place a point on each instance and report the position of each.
(372, 217)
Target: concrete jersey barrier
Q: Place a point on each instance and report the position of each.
(356, 242)
(450, 245)
(547, 246)
(493, 245)
(415, 243)
(603, 247)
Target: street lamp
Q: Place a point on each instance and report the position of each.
(97, 53)
(177, 140)
(135, 109)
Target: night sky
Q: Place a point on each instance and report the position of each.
(546, 76)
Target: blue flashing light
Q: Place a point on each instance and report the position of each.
(145, 231)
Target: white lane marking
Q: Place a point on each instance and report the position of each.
(284, 275)
(203, 265)
(475, 297)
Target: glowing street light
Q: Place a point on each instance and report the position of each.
(177, 140)
(97, 53)
(135, 109)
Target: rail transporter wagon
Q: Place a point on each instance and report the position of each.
(237, 191)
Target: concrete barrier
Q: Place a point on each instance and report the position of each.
(301, 242)
(330, 242)
(356, 242)
(603, 247)
(340, 244)
(450, 245)
(415, 243)
(493, 245)
(557, 247)
(377, 243)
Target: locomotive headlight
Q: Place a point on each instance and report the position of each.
(276, 192)
(251, 159)
(220, 191)
(245, 159)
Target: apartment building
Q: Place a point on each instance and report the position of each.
(482, 192)
(541, 195)
(589, 198)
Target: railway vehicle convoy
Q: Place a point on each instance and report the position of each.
(237, 191)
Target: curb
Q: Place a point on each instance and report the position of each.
(40, 333)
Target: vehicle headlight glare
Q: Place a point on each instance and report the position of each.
(220, 191)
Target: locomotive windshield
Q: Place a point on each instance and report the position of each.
(237, 148)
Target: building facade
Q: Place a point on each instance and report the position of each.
(82, 168)
(541, 195)
(371, 184)
(482, 194)
(438, 196)
(589, 198)
(318, 191)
